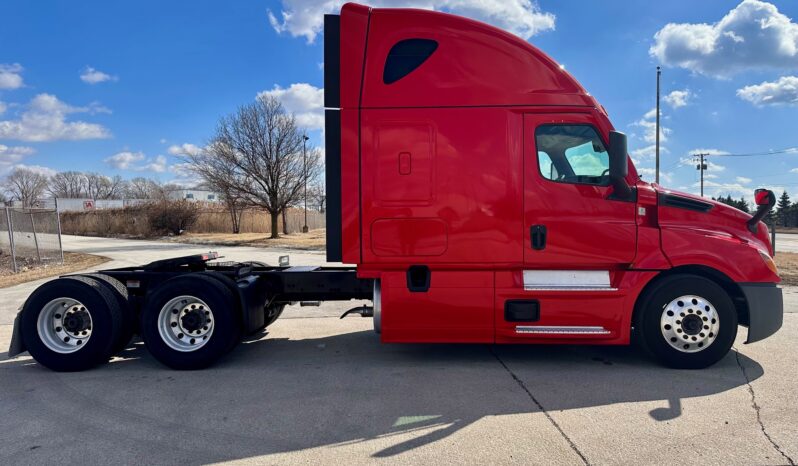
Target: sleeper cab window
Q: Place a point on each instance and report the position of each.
(572, 154)
(405, 56)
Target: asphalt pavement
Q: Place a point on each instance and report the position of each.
(319, 390)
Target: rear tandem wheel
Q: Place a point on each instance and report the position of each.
(190, 321)
(71, 323)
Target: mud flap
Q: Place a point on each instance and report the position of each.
(17, 345)
(765, 309)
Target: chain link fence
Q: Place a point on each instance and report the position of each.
(29, 237)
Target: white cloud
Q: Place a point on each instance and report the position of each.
(303, 100)
(648, 151)
(46, 171)
(651, 174)
(158, 165)
(522, 17)
(93, 76)
(3, 107)
(678, 99)
(743, 180)
(124, 160)
(649, 125)
(650, 129)
(184, 149)
(136, 161)
(754, 35)
(10, 76)
(781, 92)
(794, 170)
(184, 176)
(715, 189)
(45, 120)
(12, 155)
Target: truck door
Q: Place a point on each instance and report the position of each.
(571, 220)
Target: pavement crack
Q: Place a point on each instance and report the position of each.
(758, 409)
(543, 410)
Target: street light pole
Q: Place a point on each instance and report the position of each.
(305, 179)
(656, 172)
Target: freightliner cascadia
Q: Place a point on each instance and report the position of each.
(483, 196)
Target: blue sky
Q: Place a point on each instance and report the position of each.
(121, 87)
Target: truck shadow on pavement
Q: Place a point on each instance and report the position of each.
(273, 395)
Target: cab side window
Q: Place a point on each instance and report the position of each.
(572, 154)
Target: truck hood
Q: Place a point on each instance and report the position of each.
(682, 209)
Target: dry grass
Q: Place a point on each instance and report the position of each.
(788, 267)
(135, 221)
(73, 262)
(314, 240)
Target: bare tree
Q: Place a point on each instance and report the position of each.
(143, 188)
(25, 185)
(261, 147)
(222, 175)
(317, 197)
(69, 184)
(103, 187)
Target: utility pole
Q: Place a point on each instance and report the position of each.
(657, 129)
(305, 179)
(701, 167)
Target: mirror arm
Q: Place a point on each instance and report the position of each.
(761, 211)
(621, 188)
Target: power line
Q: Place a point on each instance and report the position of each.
(791, 150)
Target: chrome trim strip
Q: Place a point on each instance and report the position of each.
(561, 330)
(569, 280)
(567, 288)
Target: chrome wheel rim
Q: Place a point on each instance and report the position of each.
(186, 323)
(690, 323)
(64, 325)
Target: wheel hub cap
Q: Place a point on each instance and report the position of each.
(185, 323)
(689, 323)
(64, 325)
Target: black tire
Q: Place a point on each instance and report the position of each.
(652, 308)
(226, 318)
(273, 312)
(231, 285)
(129, 321)
(106, 322)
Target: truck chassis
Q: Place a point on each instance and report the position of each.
(189, 310)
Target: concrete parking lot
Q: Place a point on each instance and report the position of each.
(317, 389)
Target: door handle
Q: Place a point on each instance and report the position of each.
(538, 235)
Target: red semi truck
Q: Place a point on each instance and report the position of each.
(484, 197)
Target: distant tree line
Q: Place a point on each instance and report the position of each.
(785, 214)
(28, 185)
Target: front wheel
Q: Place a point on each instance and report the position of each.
(686, 322)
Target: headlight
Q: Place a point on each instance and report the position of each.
(769, 262)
